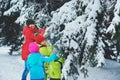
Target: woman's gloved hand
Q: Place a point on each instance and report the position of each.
(36, 33)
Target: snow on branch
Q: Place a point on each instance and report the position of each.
(15, 8)
(115, 20)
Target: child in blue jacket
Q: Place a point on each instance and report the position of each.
(35, 62)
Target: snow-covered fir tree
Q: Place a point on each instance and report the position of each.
(86, 31)
(16, 12)
(82, 38)
(114, 29)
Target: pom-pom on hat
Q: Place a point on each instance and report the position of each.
(39, 38)
(29, 21)
(33, 47)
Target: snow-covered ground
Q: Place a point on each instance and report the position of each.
(111, 71)
(11, 68)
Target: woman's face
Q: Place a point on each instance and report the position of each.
(32, 25)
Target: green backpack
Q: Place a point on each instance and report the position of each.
(54, 69)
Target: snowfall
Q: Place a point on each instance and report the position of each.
(11, 68)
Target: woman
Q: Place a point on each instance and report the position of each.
(29, 33)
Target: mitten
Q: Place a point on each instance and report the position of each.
(57, 52)
(36, 33)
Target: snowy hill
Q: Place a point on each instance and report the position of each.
(11, 68)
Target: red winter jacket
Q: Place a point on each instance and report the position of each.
(28, 33)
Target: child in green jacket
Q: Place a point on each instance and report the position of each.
(53, 69)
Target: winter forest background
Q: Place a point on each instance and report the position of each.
(90, 36)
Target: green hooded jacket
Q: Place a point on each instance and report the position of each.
(52, 69)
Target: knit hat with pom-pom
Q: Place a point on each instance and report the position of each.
(33, 47)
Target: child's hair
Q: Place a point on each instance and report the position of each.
(33, 47)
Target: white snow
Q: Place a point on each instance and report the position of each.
(65, 14)
(11, 68)
(115, 20)
(109, 72)
(15, 8)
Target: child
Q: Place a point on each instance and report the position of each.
(53, 69)
(35, 62)
(46, 51)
